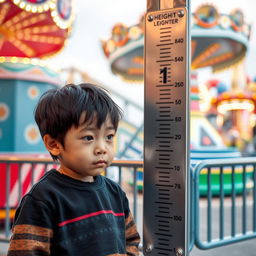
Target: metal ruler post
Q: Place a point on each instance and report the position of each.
(167, 63)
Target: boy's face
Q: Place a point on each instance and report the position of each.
(88, 150)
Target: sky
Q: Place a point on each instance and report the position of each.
(94, 21)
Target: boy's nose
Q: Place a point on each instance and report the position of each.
(100, 148)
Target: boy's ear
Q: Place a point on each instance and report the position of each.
(52, 145)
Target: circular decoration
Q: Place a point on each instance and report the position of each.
(207, 16)
(63, 13)
(32, 134)
(34, 5)
(135, 32)
(225, 21)
(120, 34)
(237, 19)
(33, 92)
(4, 112)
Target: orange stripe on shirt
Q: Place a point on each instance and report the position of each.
(31, 229)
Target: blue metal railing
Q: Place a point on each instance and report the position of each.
(230, 215)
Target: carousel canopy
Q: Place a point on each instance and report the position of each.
(34, 28)
(218, 41)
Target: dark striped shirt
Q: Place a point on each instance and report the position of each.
(67, 217)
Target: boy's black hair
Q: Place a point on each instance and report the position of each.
(59, 109)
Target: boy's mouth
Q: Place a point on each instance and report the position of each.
(101, 162)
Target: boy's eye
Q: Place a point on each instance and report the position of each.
(88, 138)
(110, 136)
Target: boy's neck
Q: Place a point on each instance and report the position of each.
(76, 176)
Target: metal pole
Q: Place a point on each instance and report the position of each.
(166, 127)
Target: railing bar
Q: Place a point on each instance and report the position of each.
(135, 193)
(221, 205)
(209, 208)
(45, 169)
(244, 200)
(7, 206)
(19, 182)
(120, 175)
(233, 212)
(32, 173)
(254, 198)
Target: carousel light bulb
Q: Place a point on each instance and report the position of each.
(16, 19)
(28, 8)
(45, 29)
(29, 52)
(23, 47)
(34, 9)
(14, 59)
(40, 9)
(2, 59)
(54, 13)
(34, 61)
(46, 7)
(52, 5)
(26, 60)
(36, 30)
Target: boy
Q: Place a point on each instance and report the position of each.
(74, 210)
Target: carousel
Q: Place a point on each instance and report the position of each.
(220, 42)
(30, 31)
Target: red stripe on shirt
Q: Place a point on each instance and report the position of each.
(61, 224)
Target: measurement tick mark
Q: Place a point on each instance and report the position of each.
(165, 28)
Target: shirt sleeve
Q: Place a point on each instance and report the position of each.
(131, 233)
(32, 231)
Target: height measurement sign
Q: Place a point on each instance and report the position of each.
(166, 133)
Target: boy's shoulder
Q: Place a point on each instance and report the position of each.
(44, 184)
